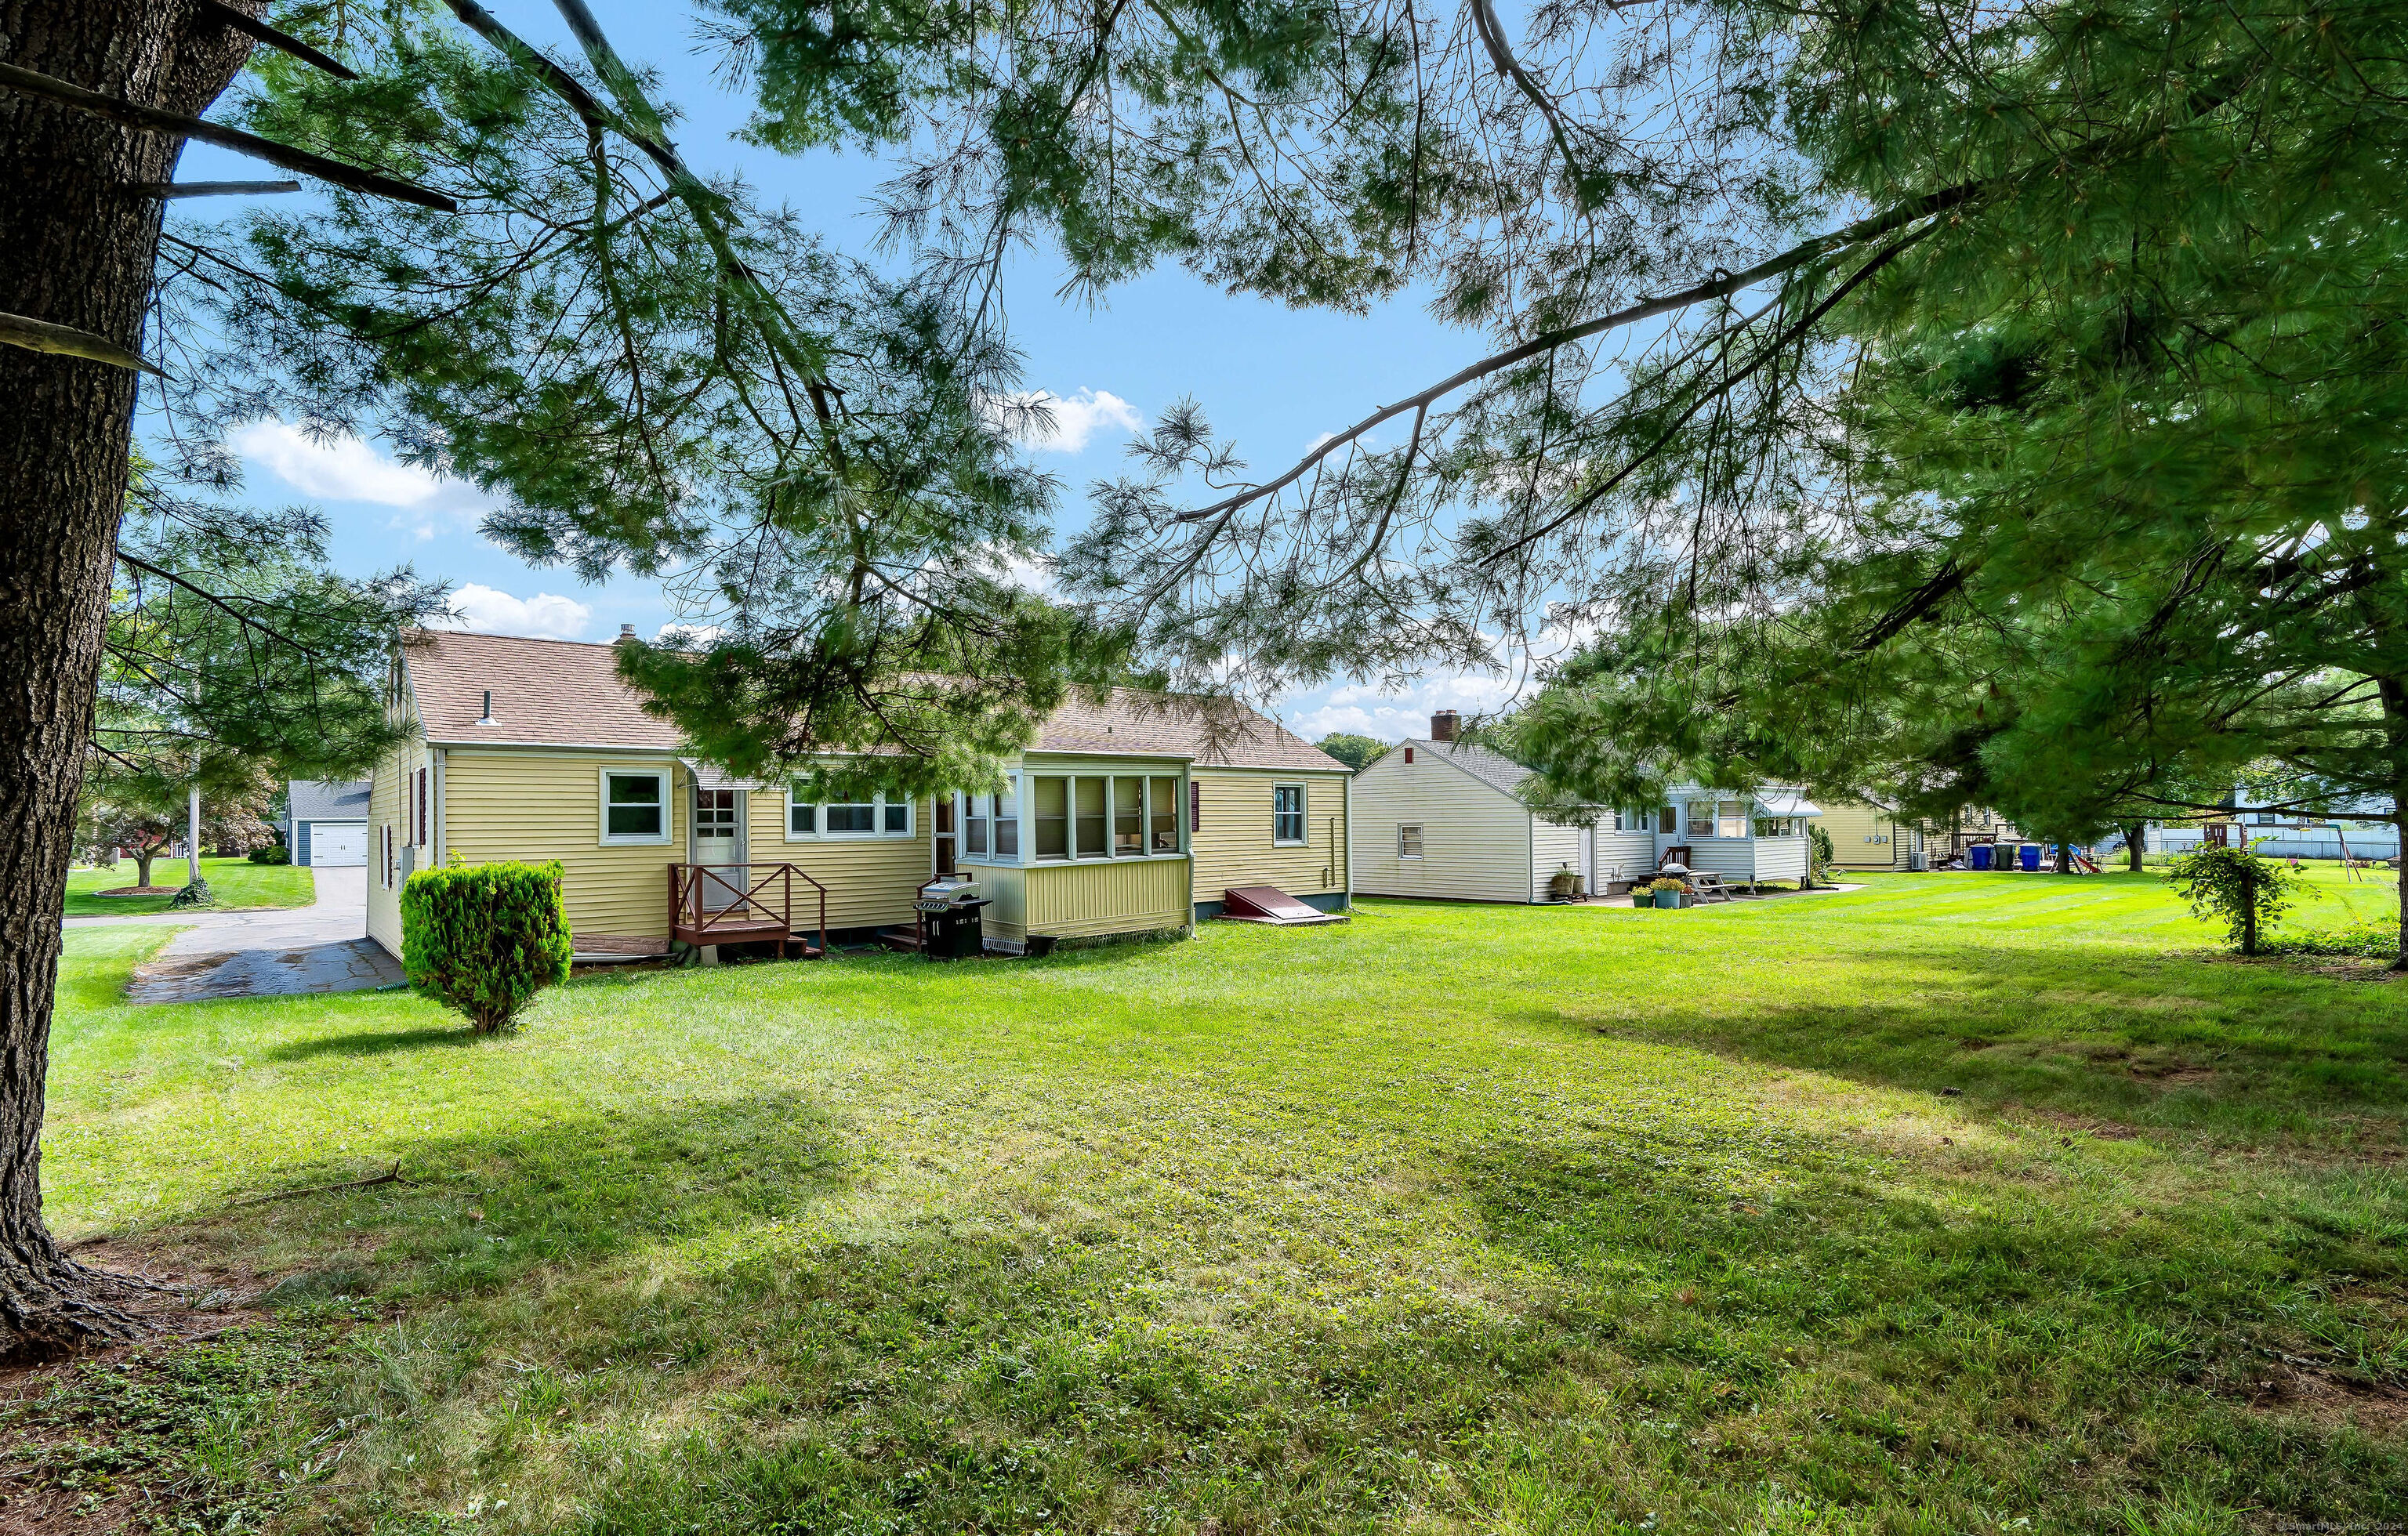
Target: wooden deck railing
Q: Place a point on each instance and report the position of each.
(747, 910)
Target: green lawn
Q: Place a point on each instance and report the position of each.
(1962, 1203)
(236, 883)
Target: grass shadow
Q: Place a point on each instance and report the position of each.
(2191, 1042)
(371, 1042)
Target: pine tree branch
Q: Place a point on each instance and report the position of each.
(134, 114)
(1723, 287)
(207, 189)
(1491, 33)
(243, 22)
(36, 336)
(215, 601)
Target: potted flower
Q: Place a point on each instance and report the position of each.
(1564, 885)
(1670, 894)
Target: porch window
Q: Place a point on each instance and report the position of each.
(1732, 822)
(1287, 813)
(1668, 821)
(1408, 841)
(974, 821)
(1163, 810)
(1007, 820)
(1088, 796)
(1128, 817)
(1051, 798)
(1702, 819)
(635, 806)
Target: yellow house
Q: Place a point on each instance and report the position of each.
(1132, 816)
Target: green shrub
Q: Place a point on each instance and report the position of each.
(2236, 888)
(1820, 841)
(275, 853)
(485, 937)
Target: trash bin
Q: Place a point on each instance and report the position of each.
(958, 932)
(2030, 857)
(1983, 853)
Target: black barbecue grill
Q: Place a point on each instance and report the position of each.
(952, 926)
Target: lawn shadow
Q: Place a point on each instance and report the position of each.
(1937, 1316)
(371, 1042)
(2178, 1041)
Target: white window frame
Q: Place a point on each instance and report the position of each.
(1303, 814)
(1419, 842)
(1180, 789)
(667, 809)
(1727, 817)
(877, 803)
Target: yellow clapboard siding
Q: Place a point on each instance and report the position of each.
(384, 808)
(536, 806)
(1121, 896)
(1862, 836)
(872, 881)
(1235, 846)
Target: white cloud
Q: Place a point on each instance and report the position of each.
(1075, 418)
(350, 470)
(1394, 715)
(546, 616)
(674, 634)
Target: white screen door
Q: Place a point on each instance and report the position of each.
(719, 846)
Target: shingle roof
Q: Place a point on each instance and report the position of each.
(546, 692)
(1165, 725)
(568, 693)
(1494, 769)
(326, 800)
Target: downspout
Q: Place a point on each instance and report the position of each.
(1346, 808)
(436, 855)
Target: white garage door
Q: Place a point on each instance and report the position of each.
(334, 843)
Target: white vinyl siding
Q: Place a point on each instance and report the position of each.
(1476, 842)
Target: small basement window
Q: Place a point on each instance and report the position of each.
(635, 806)
(1408, 841)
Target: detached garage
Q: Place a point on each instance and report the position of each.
(329, 822)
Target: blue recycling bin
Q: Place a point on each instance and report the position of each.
(1983, 854)
(2029, 855)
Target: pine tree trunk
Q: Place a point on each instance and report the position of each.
(75, 251)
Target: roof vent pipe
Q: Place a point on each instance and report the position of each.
(1444, 724)
(487, 718)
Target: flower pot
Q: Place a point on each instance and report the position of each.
(1668, 900)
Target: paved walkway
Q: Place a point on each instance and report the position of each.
(320, 947)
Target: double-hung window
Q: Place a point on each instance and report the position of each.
(635, 806)
(1163, 815)
(1287, 813)
(991, 823)
(1731, 821)
(1408, 841)
(1702, 819)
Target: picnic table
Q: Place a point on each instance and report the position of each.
(1709, 887)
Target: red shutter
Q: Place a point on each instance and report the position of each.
(1194, 806)
(420, 839)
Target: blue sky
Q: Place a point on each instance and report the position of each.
(1274, 378)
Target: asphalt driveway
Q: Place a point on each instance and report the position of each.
(322, 948)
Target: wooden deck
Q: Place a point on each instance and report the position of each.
(743, 904)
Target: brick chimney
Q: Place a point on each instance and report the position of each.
(1444, 725)
(626, 635)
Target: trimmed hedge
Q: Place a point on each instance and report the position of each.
(485, 937)
(275, 853)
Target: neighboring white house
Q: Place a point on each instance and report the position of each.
(1437, 817)
(326, 823)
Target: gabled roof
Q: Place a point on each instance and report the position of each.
(326, 800)
(546, 692)
(568, 693)
(1133, 722)
(1494, 769)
